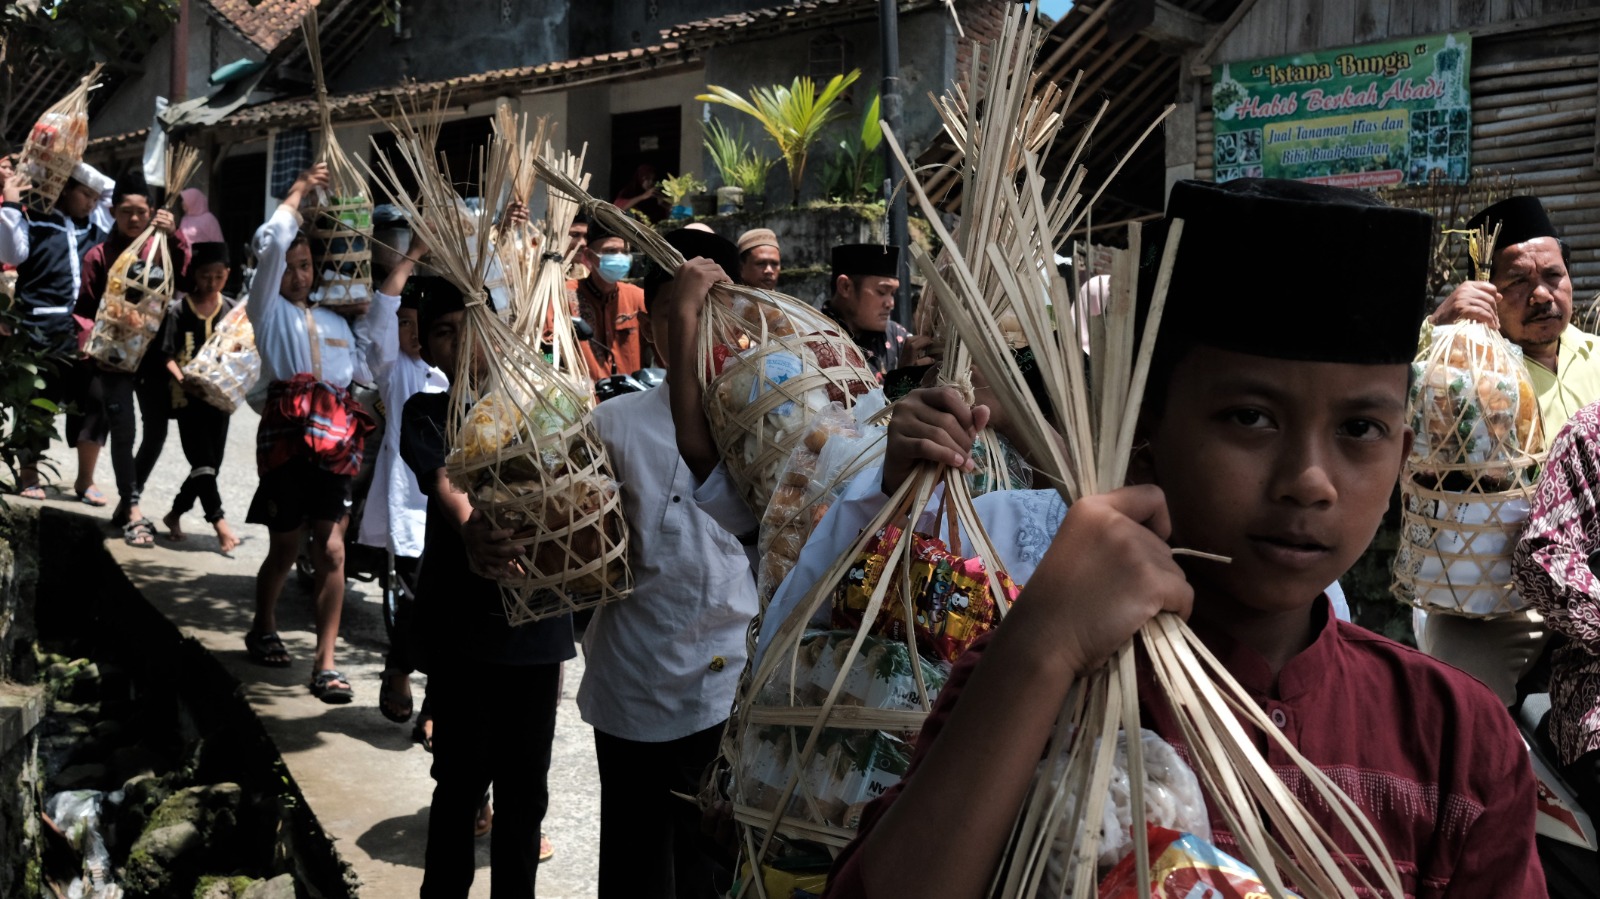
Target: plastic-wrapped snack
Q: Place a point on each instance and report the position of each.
(1172, 799)
(950, 596)
(848, 770)
(1183, 865)
(228, 365)
(766, 769)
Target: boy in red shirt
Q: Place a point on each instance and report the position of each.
(1273, 431)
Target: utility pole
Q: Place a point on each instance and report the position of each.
(899, 230)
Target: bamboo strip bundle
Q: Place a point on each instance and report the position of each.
(228, 364)
(769, 363)
(547, 318)
(522, 444)
(55, 145)
(142, 282)
(517, 243)
(1277, 834)
(339, 221)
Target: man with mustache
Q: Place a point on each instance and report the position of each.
(1528, 298)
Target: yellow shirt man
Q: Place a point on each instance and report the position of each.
(1576, 384)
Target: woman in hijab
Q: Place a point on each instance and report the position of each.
(198, 224)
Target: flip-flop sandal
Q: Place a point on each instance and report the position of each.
(419, 733)
(331, 687)
(91, 497)
(35, 492)
(389, 702)
(141, 533)
(267, 649)
(547, 849)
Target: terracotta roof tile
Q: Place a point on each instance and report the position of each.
(264, 23)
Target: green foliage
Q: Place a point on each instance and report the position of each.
(794, 116)
(738, 161)
(82, 30)
(855, 172)
(679, 188)
(25, 418)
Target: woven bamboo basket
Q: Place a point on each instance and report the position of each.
(142, 283)
(830, 717)
(770, 363)
(228, 364)
(522, 444)
(339, 219)
(547, 318)
(139, 289)
(55, 145)
(1469, 482)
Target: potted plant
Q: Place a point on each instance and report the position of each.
(794, 116)
(742, 167)
(678, 190)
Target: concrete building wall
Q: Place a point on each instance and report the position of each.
(442, 39)
(134, 103)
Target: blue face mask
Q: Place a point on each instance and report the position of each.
(614, 266)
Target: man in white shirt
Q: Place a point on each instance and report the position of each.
(312, 434)
(662, 667)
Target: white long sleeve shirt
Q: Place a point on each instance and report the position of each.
(664, 663)
(403, 521)
(283, 335)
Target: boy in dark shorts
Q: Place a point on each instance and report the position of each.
(312, 435)
(1273, 430)
(202, 427)
(493, 688)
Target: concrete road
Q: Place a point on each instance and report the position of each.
(361, 774)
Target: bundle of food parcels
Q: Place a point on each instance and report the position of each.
(55, 146)
(773, 367)
(138, 293)
(1468, 481)
(142, 283)
(227, 365)
(526, 454)
(849, 766)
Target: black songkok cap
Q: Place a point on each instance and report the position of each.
(859, 259)
(435, 297)
(1251, 272)
(207, 253)
(132, 183)
(1519, 218)
(692, 242)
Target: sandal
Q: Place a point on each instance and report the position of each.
(485, 820)
(32, 491)
(547, 849)
(420, 731)
(267, 649)
(90, 497)
(331, 687)
(141, 533)
(391, 703)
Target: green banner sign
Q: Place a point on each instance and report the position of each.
(1361, 117)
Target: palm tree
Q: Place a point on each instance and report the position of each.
(794, 116)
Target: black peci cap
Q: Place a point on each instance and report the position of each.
(1251, 275)
(692, 242)
(207, 253)
(1519, 218)
(433, 297)
(859, 259)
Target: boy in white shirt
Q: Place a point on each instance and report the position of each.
(312, 433)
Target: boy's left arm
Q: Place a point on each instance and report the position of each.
(1498, 859)
(1551, 564)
